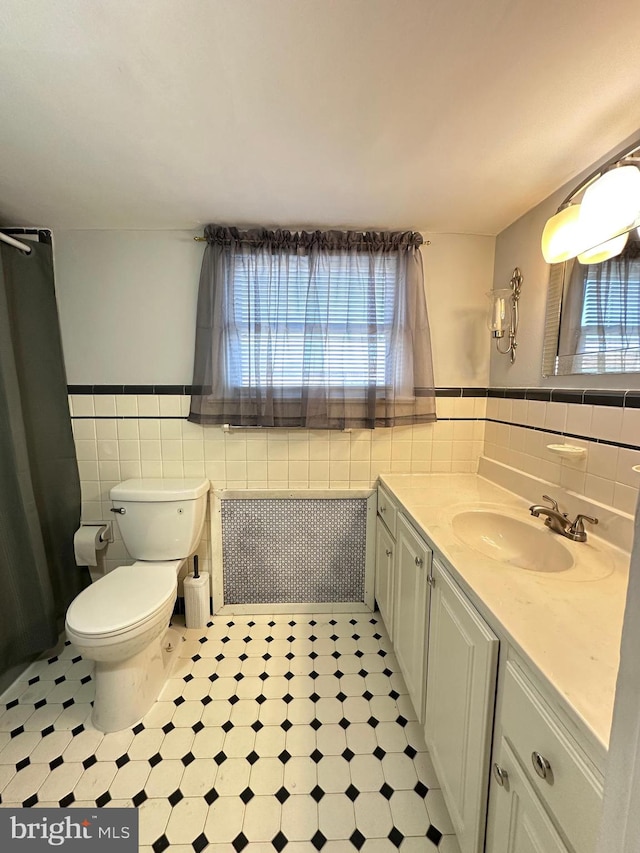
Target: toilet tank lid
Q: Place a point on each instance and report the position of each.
(175, 489)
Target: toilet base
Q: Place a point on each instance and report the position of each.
(126, 690)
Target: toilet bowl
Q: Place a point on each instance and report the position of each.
(121, 621)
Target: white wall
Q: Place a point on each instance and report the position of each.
(458, 269)
(127, 303)
(519, 245)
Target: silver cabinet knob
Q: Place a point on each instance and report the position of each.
(382, 509)
(431, 581)
(419, 562)
(541, 765)
(388, 552)
(500, 775)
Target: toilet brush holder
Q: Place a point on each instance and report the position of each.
(197, 605)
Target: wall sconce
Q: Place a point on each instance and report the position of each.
(594, 221)
(503, 314)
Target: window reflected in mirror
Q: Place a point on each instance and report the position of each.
(593, 315)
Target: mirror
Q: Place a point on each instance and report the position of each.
(593, 316)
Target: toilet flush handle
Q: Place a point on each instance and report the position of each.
(120, 509)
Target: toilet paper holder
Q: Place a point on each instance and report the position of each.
(106, 535)
(90, 542)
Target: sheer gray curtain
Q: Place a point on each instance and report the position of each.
(322, 329)
(39, 485)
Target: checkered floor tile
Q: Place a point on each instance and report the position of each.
(288, 732)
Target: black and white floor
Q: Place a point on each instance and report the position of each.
(276, 732)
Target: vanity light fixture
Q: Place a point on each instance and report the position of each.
(561, 235)
(593, 222)
(503, 314)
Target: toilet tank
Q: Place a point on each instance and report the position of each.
(160, 519)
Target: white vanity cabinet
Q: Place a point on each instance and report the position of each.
(544, 787)
(461, 686)
(519, 771)
(411, 610)
(385, 557)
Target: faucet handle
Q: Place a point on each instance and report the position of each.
(578, 526)
(554, 503)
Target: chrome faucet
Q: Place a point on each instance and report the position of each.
(560, 522)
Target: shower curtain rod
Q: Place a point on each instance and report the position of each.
(11, 241)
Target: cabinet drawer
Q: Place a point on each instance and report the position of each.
(387, 510)
(570, 788)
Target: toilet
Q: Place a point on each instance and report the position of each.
(121, 620)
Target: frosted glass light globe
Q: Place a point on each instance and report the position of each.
(604, 251)
(610, 205)
(561, 236)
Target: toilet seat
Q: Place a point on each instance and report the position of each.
(123, 600)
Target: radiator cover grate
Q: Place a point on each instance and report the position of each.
(277, 551)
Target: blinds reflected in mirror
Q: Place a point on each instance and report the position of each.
(593, 316)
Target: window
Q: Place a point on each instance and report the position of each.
(327, 326)
(322, 329)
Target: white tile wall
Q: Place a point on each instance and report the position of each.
(604, 475)
(110, 449)
(123, 436)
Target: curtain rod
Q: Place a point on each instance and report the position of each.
(204, 240)
(11, 241)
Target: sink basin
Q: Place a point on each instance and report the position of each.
(509, 540)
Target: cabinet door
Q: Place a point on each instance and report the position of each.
(385, 548)
(518, 822)
(568, 786)
(411, 613)
(461, 685)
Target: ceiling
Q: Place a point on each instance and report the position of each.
(428, 114)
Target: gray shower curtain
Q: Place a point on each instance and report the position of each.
(39, 484)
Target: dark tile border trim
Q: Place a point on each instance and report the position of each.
(458, 391)
(461, 392)
(604, 398)
(594, 397)
(541, 394)
(628, 399)
(79, 389)
(130, 389)
(579, 396)
(567, 395)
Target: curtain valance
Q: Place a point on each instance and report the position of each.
(281, 239)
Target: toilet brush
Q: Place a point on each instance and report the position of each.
(196, 597)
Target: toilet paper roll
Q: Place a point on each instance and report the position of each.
(87, 540)
(197, 606)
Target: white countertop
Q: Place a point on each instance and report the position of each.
(567, 624)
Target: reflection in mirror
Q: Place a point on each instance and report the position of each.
(593, 315)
